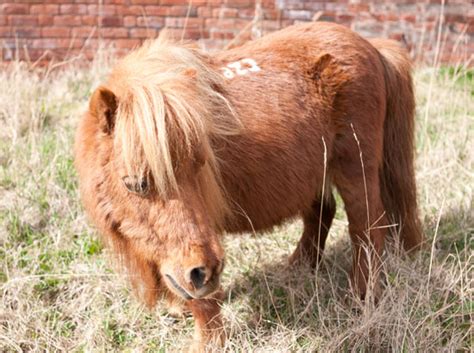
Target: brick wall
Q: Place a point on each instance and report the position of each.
(46, 29)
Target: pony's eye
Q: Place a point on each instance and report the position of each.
(136, 185)
(144, 185)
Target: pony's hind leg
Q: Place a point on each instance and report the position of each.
(317, 222)
(359, 188)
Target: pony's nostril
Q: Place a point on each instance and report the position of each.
(197, 276)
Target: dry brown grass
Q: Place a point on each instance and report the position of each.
(58, 292)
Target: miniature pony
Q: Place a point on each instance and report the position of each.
(179, 146)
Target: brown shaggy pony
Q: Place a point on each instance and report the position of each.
(179, 146)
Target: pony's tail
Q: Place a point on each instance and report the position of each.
(397, 174)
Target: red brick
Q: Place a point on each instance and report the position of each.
(344, 18)
(121, 52)
(94, 42)
(79, 9)
(52, 1)
(110, 21)
(195, 34)
(11, 43)
(84, 32)
(49, 9)
(179, 22)
(224, 12)
(430, 25)
(215, 3)
(269, 25)
(43, 1)
(114, 32)
(3, 20)
(103, 9)
(14, 9)
(134, 10)
(37, 54)
(54, 43)
(183, 2)
(126, 43)
(129, 21)
(182, 11)
(56, 32)
(246, 13)
(45, 20)
(409, 17)
(119, 9)
(396, 36)
(67, 20)
(145, 2)
(459, 27)
(239, 3)
(314, 6)
(5, 32)
(298, 14)
(226, 23)
(150, 21)
(268, 4)
(383, 17)
(155, 10)
(57, 53)
(460, 17)
(90, 20)
(190, 33)
(354, 8)
(204, 12)
(211, 44)
(89, 54)
(143, 32)
(74, 52)
(271, 14)
(112, 2)
(217, 34)
(23, 20)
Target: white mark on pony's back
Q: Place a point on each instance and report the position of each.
(241, 67)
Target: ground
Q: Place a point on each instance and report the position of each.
(60, 291)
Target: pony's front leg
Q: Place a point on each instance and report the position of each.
(317, 222)
(209, 334)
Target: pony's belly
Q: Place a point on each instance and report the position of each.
(247, 224)
(260, 204)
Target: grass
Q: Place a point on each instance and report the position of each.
(58, 292)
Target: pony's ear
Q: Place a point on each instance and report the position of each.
(329, 76)
(103, 105)
(323, 66)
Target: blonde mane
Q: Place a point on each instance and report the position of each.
(169, 105)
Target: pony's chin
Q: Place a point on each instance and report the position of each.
(187, 295)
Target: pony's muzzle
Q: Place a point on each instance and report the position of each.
(199, 282)
(197, 276)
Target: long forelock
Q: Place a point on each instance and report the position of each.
(168, 101)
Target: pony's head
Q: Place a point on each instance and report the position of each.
(157, 183)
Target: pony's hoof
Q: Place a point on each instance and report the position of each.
(178, 311)
(299, 259)
(196, 347)
(209, 347)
